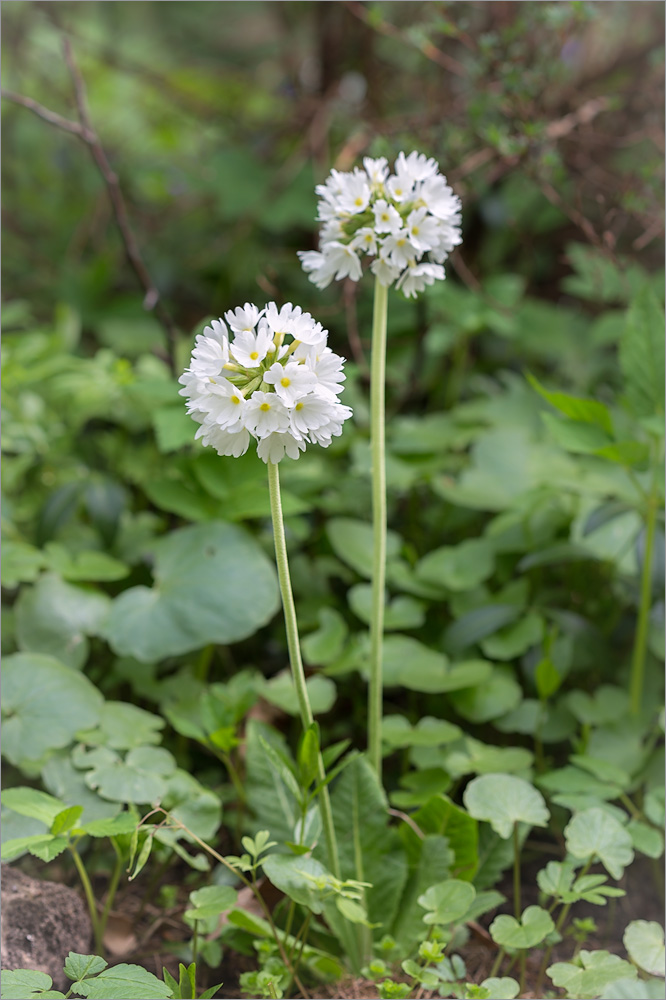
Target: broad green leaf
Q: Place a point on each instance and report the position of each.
(447, 901)
(488, 700)
(79, 966)
(495, 856)
(26, 984)
(440, 816)
(502, 800)
(534, 925)
(594, 833)
(477, 624)
(644, 941)
(173, 428)
(586, 411)
(21, 563)
(501, 988)
(65, 781)
(281, 691)
(302, 879)
(45, 846)
(55, 618)
(515, 639)
(646, 839)
(459, 567)
(642, 355)
(308, 755)
(139, 778)
(351, 541)
(211, 901)
(268, 796)
(474, 757)
(87, 566)
(401, 612)
(325, 645)
(44, 704)
(430, 859)
(32, 802)
(634, 989)
(192, 804)
(408, 663)
(213, 584)
(123, 726)
(590, 974)
(113, 827)
(606, 704)
(123, 982)
(430, 732)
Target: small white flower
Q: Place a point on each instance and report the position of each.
(264, 413)
(249, 348)
(291, 381)
(243, 318)
(417, 276)
(225, 442)
(401, 220)
(311, 413)
(275, 446)
(209, 356)
(226, 405)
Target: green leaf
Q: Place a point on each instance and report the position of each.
(352, 542)
(447, 901)
(26, 984)
(326, 644)
(89, 565)
(187, 980)
(646, 839)
(113, 827)
(459, 567)
(514, 640)
(644, 941)
(547, 678)
(606, 704)
(54, 617)
(502, 800)
(281, 691)
(502, 988)
(441, 816)
(44, 704)
(399, 613)
(211, 901)
(590, 974)
(534, 925)
(66, 819)
(594, 833)
(21, 563)
(79, 966)
(173, 428)
(494, 697)
(139, 778)
(585, 410)
(642, 355)
(430, 732)
(308, 756)
(430, 859)
(123, 726)
(579, 438)
(32, 802)
(123, 982)
(213, 584)
(298, 878)
(272, 801)
(42, 845)
(476, 625)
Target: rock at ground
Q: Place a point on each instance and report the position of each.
(41, 923)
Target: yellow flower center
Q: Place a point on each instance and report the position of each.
(299, 406)
(254, 355)
(265, 407)
(235, 400)
(400, 243)
(415, 230)
(358, 202)
(285, 382)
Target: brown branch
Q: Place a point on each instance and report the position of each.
(84, 130)
(429, 50)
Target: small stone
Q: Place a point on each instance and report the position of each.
(41, 923)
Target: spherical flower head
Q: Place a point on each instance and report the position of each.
(269, 376)
(407, 222)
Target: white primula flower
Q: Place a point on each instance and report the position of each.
(276, 381)
(291, 381)
(400, 220)
(249, 348)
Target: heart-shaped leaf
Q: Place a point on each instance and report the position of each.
(502, 800)
(447, 901)
(644, 941)
(590, 974)
(534, 925)
(595, 833)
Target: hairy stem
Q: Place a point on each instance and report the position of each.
(295, 659)
(90, 899)
(377, 422)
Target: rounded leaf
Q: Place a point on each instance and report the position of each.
(447, 901)
(502, 800)
(595, 833)
(213, 584)
(644, 941)
(534, 925)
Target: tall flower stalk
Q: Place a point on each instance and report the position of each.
(407, 223)
(276, 381)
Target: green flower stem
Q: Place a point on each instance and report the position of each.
(90, 899)
(640, 641)
(113, 885)
(516, 873)
(377, 420)
(294, 647)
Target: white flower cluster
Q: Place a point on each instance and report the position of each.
(408, 221)
(274, 380)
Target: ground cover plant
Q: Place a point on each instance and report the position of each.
(383, 717)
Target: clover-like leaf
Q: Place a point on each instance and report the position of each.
(595, 833)
(644, 941)
(139, 778)
(447, 901)
(590, 974)
(502, 800)
(534, 925)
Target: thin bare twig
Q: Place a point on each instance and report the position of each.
(84, 130)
